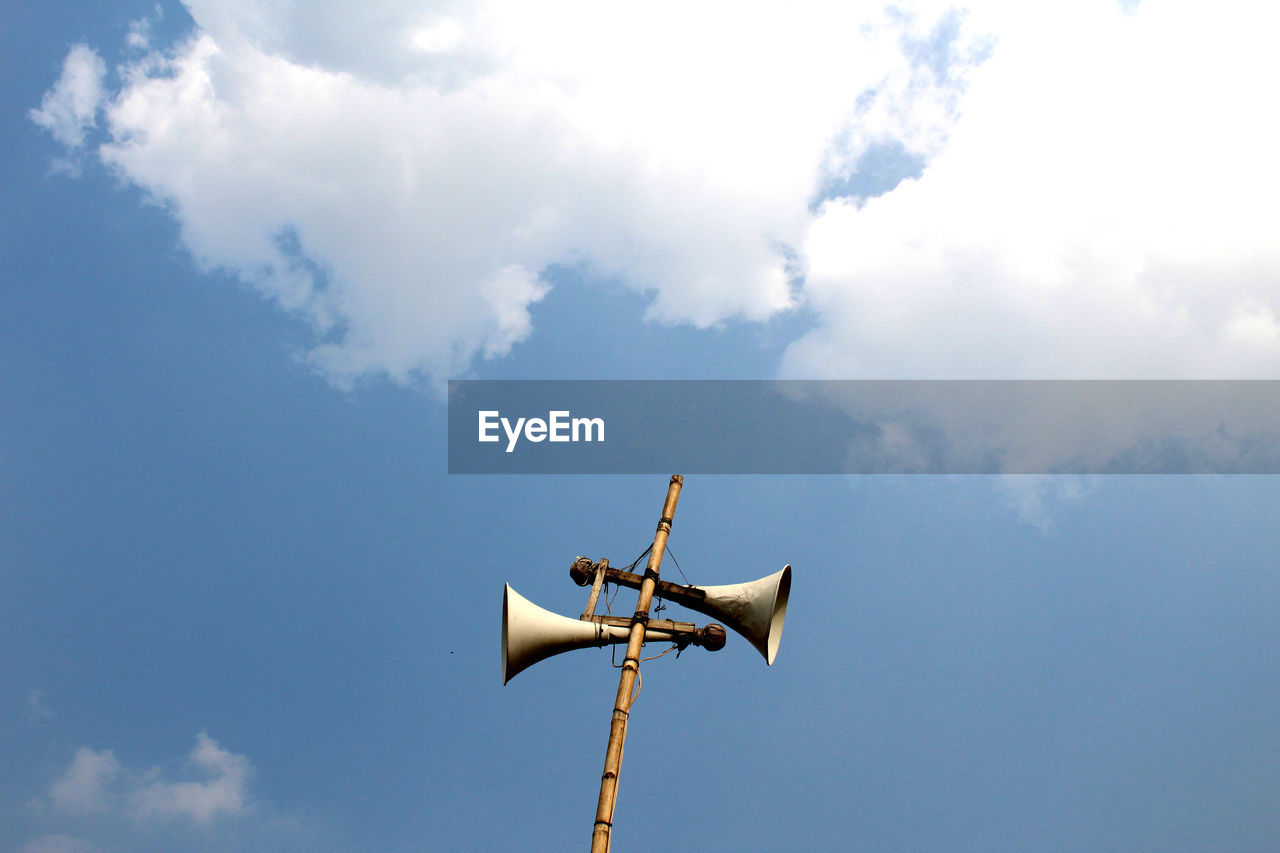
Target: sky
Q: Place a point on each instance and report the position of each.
(245, 244)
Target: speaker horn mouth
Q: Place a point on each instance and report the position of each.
(506, 592)
(779, 614)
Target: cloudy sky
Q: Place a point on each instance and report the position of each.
(246, 243)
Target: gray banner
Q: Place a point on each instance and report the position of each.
(864, 427)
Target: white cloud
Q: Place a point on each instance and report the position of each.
(1104, 207)
(1096, 197)
(221, 793)
(97, 783)
(87, 785)
(68, 110)
(1032, 427)
(383, 174)
(37, 706)
(1041, 499)
(139, 37)
(58, 844)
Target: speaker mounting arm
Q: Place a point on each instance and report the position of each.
(682, 634)
(672, 592)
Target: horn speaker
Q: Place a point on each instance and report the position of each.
(756, 610)
(531, 634)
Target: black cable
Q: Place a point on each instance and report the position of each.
(637, 560)
(677, 562)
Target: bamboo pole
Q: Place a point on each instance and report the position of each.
(601, 833)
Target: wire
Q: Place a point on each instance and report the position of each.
(675, 647)
(655, 657)
(677, 562)
(637, 560)
(635, 694)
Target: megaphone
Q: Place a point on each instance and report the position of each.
(531, 633)
(756, 610)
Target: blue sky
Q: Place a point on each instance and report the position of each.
(244, 243)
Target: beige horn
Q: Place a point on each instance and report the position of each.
(756, 610)
(531, 634)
